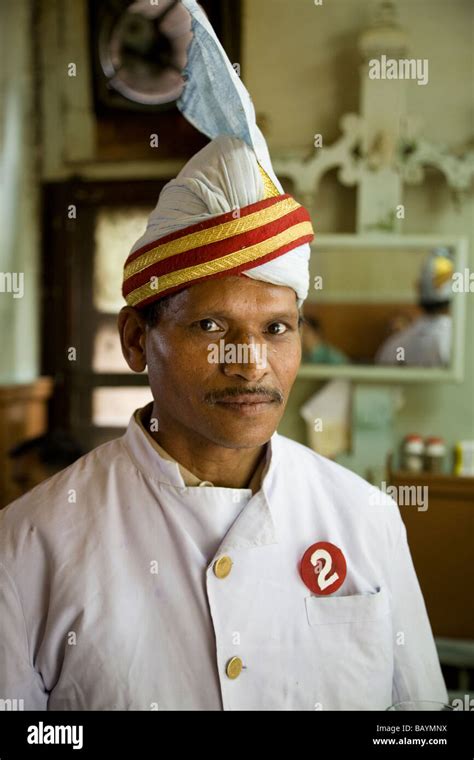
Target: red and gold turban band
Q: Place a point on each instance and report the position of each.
(223, 246)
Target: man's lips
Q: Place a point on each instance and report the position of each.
(249, 399)
(245, 405)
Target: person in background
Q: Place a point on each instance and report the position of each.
(315, 349)
(37, 459)
(427, 341)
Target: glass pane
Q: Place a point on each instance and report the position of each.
(113, 407)
(116, 230)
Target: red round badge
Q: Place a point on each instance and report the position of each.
(323, 568)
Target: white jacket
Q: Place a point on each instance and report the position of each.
(109, 599)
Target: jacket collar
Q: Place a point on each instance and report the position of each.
(253, 527)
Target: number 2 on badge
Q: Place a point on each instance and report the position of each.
(323, 568)
(322, 572)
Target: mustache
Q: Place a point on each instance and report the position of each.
(213, 397)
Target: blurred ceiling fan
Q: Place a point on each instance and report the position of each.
(142, 50)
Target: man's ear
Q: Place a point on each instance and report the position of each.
(132, 329)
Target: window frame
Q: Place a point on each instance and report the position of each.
(68, 316)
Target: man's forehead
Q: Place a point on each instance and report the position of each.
(236, 293)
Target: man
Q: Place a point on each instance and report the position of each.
(427, 341)
(202, 561)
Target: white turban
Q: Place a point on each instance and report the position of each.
(225, 175)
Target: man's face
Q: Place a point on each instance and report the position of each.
(200, 381)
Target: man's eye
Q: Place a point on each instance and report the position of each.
(208, 325)
(280, 328)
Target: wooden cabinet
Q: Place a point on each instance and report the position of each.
(441, 541)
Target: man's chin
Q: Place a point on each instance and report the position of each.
(244, 434)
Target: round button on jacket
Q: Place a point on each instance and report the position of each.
(222, 566)
(234, 667)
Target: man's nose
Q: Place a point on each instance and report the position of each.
(246, 357)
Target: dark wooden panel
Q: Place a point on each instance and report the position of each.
(441, 540)
(68, 316)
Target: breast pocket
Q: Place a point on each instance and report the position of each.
(352, 641)
(357, 608)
